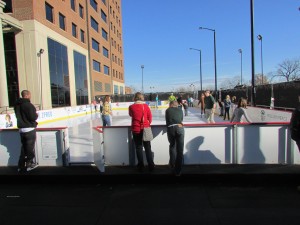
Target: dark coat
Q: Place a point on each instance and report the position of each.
(295, 124)
(25, 113)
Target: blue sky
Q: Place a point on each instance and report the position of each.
(159, 34)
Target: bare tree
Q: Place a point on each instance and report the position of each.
(259, 79)
(230, 83)
(289, 69)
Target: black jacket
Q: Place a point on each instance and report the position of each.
(295, 124)
(25, 113)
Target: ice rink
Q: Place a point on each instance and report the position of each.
(81, 136)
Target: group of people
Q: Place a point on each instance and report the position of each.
(208, 107)
(141, 116)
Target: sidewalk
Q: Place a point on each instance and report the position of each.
(205, 194)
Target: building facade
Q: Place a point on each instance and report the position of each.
(65, 52)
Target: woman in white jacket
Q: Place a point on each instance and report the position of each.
(239, 114)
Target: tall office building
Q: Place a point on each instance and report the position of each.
(65, 52)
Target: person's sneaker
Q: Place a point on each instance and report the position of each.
(22, 170)
(31, 166)
(151, 168)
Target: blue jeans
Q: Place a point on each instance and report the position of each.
(27, 150)
(106, 120)
(176, 140)
(139, 143)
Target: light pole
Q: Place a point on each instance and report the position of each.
(241, 52)
(142, 66)
(260, 38)
(199, 50)
(253, 91)
(215, 56)
(39, 54)
(193, 86)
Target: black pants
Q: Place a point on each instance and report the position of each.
(27, 150)
(176, 140)
(139, 143)
(226, 113)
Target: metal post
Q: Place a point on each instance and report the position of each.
(200, 53)
(142, 66)
(215, 58)
(253, 101)
(241, 52)
(259, 37)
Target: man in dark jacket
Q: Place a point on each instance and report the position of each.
(295, 125)
(26, 121)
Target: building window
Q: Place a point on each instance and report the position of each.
(96, 66)
(49, 12)
(81, 13)
(94, 4)
(95, 45)
(98, 86)
(104, 34)
(82, 37)
(81, 84)
(74, 30)
(105, 52)
(107, 87)
(106, 70)
(104, 2)
(116, 89)
(103, 16)
(94, 24)
(59, 74)
(62, 21)
(121, 90)
(73, 5)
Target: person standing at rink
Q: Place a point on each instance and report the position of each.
(26, 121)
(106, 113)
(239, 114)
(141, 117)
(202, 106)
(227, 104)
(295, 125)
(210, 107)
(175, 131)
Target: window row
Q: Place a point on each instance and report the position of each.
(117, 46)
(80, 8)
(62, 22)
(117, 74)
(95, 26)
(113, 28)
(117, 60)
(98, 86)
(96, 47)
(97, 67)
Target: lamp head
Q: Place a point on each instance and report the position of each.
(259, 37)
(41, 51)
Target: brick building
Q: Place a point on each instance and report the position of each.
(65, 52)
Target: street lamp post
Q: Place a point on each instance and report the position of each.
(260, 38)
(39, 54)
(215, 56)
(241, 52)
(142, 66)
(199, 50)
(193, 86)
